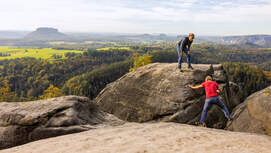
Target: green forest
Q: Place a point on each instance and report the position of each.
(88, 72)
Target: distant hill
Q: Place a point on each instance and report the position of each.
(46, 34)
(247, 40)
(12, 34)
(43, 35)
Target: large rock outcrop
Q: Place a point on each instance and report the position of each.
(254, 115)
(150, 138)
(159, 92)
(22, 122)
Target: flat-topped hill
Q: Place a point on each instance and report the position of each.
(44, 33)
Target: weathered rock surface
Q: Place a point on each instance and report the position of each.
(22, 122)
(159, 92)
(254, 115)
(150, 138)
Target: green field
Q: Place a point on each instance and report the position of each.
(44, 53)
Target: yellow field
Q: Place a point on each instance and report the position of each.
(108, 48)
(44, 53)
(265, 48)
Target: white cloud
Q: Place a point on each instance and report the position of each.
(135, 16)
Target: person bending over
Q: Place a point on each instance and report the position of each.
(183, 46)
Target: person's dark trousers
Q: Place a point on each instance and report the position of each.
(180, 58)
(208, 103)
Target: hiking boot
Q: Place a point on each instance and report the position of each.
(190, 67)
(180, 69)
(202, 125)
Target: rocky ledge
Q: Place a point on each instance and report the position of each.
(150, 138)
(254, 115)
(22, 122)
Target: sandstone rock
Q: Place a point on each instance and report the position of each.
(150, 138)
(254, 115)
(159, 92)
(22, 122)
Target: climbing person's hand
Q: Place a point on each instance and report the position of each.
(190, 86)
(218, 91)
(188, 52)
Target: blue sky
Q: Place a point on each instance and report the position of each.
(203, 17)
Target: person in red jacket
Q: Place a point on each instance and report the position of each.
(211, 89)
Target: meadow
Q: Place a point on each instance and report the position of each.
(43, 53)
